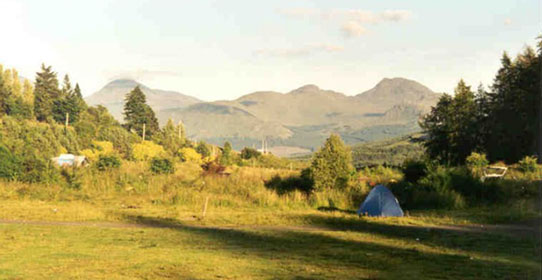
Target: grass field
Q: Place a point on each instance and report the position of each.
(153, 248)
(131, 225)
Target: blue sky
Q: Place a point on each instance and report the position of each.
(224, 49)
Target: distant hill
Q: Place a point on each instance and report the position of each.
(112, 97)
(299, 119)
(391, 152)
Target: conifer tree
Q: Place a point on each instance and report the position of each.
(137, 113)
(45, 93)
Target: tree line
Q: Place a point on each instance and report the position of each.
(502, 121)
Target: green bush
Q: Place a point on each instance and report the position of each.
(10, 165)
(248, 153)
(162, 166)
(302, 183)
(527, 164)
(73, 177)
(476, 162)
(331, 166)
(107, 162)
(414, 170)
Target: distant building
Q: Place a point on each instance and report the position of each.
(68, 160)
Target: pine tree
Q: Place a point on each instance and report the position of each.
(464, 125)
(437, 126)
(137, 113)
(332, 165)
(66, 87)
(45, 93)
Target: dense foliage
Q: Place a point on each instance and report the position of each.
(162, 166)
(139, 115)
(501, 123)
(331, 165)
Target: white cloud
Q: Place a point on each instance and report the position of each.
(301, 51)
(348, 15)
(351, 20)
(353, 29)
(395, 15)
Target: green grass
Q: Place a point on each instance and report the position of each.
(151, 227)
(362, 249)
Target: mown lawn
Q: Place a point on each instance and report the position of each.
(339, 247)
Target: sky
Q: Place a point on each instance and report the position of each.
(223, 49)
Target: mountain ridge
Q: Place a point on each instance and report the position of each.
(302, 117)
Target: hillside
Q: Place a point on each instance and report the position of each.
(301, 118)
(112, 97)
(391, 152)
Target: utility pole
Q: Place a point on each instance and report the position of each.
(67, 120)
(143, 131)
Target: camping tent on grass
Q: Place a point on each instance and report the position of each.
(381, 202)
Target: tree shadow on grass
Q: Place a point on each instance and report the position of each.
(503, 245)
(345, 256)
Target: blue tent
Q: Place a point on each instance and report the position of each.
(381, 202)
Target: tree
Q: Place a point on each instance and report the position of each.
(170, 138)
(45, 93)
(538, 137)
(331, 166)
(464, 124)
(498, 123)
(248, 153)
(437, 126)
(226, 157)
(137, 113)
(28, 92)
(11, 98)
(203, 149)
(69, 102)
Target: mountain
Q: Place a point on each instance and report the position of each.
(299, 120)
(400, 91)
(112, 96)
(304, 117)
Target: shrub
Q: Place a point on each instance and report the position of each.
(203, 149)
(527, 164)
(190, 155)
(285, 185)
(162, 166)
(73, 177)
(10, 165)
(108, 162)
(248, 153)
(476, 162)
(147, 150)
(98, 148)
(413, 170)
